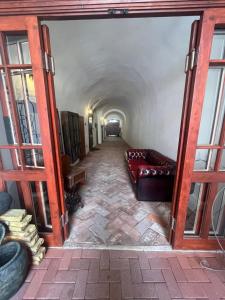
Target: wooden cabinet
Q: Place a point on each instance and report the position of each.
(71, 134)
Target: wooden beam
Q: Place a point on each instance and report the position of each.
(26, 175)
(92, 8)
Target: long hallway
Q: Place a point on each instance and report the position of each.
(111, 215)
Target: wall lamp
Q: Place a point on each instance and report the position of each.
(90, 111)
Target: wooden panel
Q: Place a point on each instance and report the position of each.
(93, 8)
(211, 19)
(43, 107)
(208, 176)
(50, 172)
(197, 98)
(55, 125)
(190, 77)
(26, 175)
(207, 244)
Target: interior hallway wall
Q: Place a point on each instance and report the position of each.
(156, 122)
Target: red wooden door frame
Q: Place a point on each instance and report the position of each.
(50, 174)
(74, 9)
(55, 127)
(186, 175)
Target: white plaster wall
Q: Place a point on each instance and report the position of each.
(135, 65)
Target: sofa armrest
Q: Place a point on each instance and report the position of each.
(136, 154)
(150, 171)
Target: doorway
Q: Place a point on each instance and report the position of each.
(204, 183)
(100, 80)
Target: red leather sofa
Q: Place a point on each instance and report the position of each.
(151, 174)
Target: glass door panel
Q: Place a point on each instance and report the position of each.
(211, 138)
(211, 107)
(218, 45)
(17, 48)
(217, 226)
(194, 208)
(201, 180)
(27, 146)
(205, 159)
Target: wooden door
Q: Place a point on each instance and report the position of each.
(200, 179)
(71, 134)
(28, 163)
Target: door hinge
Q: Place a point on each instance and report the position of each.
(173, 223)
(49, 64)
(191, 60)
(64, 219)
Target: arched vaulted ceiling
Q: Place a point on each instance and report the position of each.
(111, 63)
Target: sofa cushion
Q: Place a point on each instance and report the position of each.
(133, 164)
(155, 158)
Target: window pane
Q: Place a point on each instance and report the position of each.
(213, 109)
(218, 45)
(218, 212)
(193, 207)
(18, 49)
(41, 205)
(205, 159)
(12, 189)
(7, 128)
(33, 158)
(23, 86)
(222, 166)
(10, 159)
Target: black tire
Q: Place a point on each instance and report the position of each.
(14, 264)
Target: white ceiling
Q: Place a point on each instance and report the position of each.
(117, 62)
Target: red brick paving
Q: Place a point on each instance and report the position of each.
(105, 274)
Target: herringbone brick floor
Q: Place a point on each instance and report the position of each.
(112, 215)
(111, 274)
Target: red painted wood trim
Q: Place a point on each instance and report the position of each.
(184, 121)
(211, 19)
(196, 244)
(43, 108)
(25, 175)
(217, 63)
(91, 8)
(55, 129)
(197, 96)
(210, 147)
(208, 176)
(20, 147)
(17, 66)
(50, 239)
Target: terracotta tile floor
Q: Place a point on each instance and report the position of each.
(112, 215)
(111, 274)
